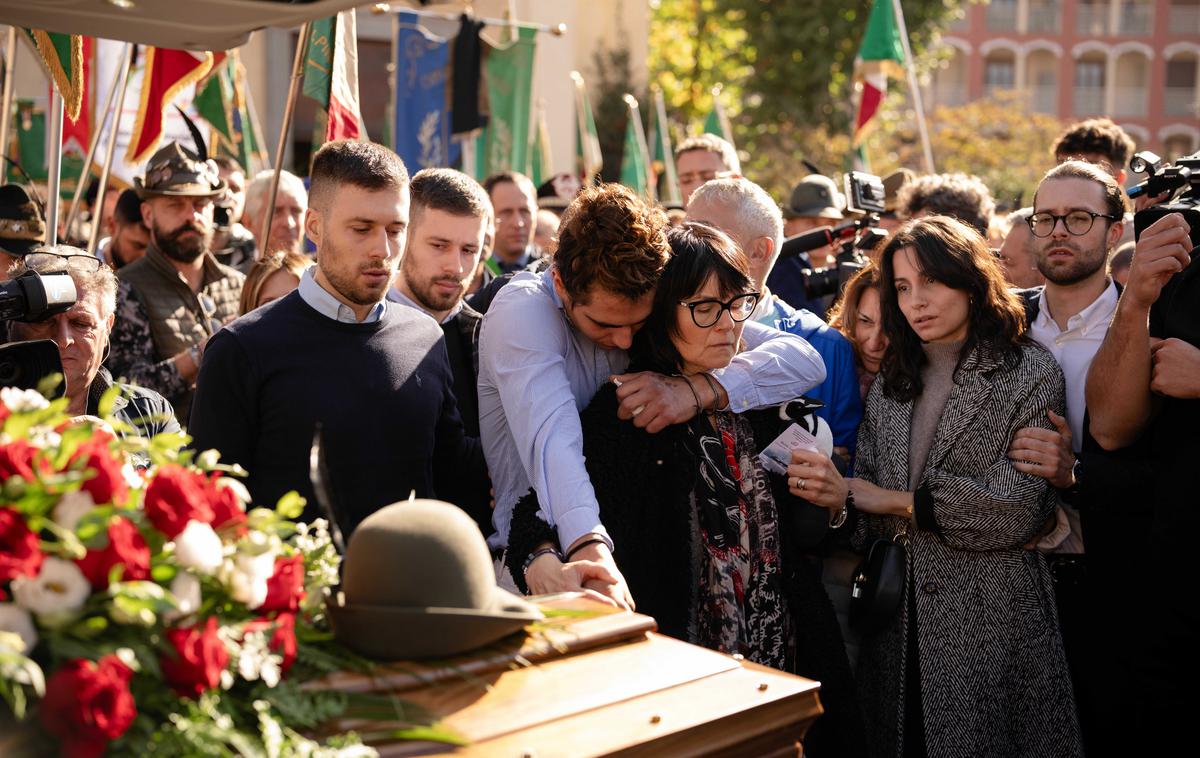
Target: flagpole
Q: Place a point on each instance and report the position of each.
(54, 166)
(94, 144)
(664, 143)
(722, 119)
(911, 69)
(122, 85)
(640, 133)
(251, 114)
(284, 128)
(10, 62)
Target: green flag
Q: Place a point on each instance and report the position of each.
(214, 100)
(588, 159)
(62, 57)
(504, 143)
(541, 164)
(717, 122)
(664, 156)
(318, 60)
(635, 161)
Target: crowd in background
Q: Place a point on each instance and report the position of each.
(593, 378)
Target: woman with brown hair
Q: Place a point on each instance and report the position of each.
(272, 277)
(971, 663)
(858, 317)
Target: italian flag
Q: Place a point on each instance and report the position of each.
(880, 56)
(331, 75)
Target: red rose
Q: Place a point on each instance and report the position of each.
(176, 496)
(20, 554)
(227, 509)
(285, 588)
(198, 660)
(125, 547)
(107, 483)
(88, 704)
(283, 636)
(16, 459)
(4, 414)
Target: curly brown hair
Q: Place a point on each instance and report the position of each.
(264, 268)
(611, 239)
(844, 313)
(1095, 136)
(950, 252)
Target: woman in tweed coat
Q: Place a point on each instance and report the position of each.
(972, 664)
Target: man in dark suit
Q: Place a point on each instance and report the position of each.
(445, 237)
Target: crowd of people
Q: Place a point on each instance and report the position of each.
(1010, 400)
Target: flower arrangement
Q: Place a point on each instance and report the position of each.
(146, 607)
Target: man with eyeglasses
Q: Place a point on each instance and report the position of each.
(1077, 220)
(172, 300)
(82, 333)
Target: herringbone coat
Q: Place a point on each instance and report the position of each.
(994, 680)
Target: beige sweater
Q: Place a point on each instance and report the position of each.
(937, 376)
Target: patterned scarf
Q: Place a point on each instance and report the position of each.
(740, 606)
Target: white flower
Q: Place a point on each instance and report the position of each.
(58, 588)
(72, 507)
(198, 547)
(239, 489)
(186, 589)
(132, 477)
(22, 401)
(256, 661)
(248, 575)
(17, 620)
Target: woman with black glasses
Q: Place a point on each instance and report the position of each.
(711, 544)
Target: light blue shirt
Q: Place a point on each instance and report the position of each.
(329, 306)
(396, 296)
(536, 373)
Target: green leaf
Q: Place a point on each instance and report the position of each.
(291, 505)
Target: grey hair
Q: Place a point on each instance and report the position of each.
(757, 214)
(101, 283)
(1019, 216)
(257, 189)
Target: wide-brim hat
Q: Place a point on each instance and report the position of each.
(176, 171)
(815, 196)
(21, 226)
(419, 582)
(892, 184)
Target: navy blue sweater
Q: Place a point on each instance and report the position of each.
(382, 393)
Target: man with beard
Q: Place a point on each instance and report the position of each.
(445, 238)
(174, 298)
(1076, 222)
(334, 357)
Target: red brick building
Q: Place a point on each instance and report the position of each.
(1136, 61)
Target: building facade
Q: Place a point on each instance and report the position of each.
(1135, 61)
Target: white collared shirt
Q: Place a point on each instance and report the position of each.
(329, 306)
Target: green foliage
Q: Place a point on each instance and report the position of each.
(787, 71)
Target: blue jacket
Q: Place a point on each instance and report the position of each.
(839, 392)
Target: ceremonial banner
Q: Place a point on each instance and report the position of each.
(62, 57)
(167, 74)
(635, 163)
(331, 75)
(214, 100)
(541, 160)
(504, 143)
(664, 154)
(588, 159)
(881, 55)
(717, 122)
(422, 122)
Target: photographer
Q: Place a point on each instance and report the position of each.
(81, 334)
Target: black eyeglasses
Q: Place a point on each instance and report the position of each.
(705, 313)
(1078, 222)
(53, 262)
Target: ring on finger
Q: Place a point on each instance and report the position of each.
(639, 409)
(800, 483)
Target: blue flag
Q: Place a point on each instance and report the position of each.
(422, 126)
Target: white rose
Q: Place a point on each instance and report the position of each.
(198, 547)
(186, 589)
(239, 489)
(72, 507)
(22, 401)
(248, 577)
(17, 620)
(58, 588)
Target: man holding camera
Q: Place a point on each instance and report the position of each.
(21, 230)
(172, 300)
(815, 203)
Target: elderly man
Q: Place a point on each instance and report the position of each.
(81, 334)
(1016, 254)
(287, 223)
(176, 296)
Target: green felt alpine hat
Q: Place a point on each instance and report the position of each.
(21, 226)
(419, 582)
(175, 170)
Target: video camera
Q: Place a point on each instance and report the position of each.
(865, 196)
(1181, 182)
(28, 298)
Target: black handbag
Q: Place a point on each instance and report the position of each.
(878, 587)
